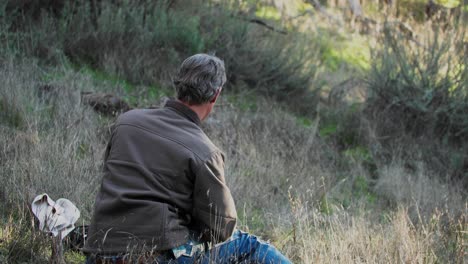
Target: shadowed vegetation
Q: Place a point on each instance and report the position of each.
(343, 145)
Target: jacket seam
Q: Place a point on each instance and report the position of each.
(199, 168)
(141, 166)
(168, 138)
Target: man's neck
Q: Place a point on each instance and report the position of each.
(201, 110)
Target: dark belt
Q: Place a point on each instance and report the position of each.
(152, 257)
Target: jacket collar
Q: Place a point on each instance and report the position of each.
(184, 110)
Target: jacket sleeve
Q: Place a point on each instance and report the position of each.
(108, 146)
(214, 207)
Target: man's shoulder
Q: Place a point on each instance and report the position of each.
(165, 123)
(135, 115)
(198, 142)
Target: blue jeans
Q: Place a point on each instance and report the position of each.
(240, 248)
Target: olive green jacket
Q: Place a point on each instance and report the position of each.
(163, 178)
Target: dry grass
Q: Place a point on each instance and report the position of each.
(280, 171)
(56, 150)
(419, 189)
(301, 183)
(346, 239)
(273, 149)
(58, 147)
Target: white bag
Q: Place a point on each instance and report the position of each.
(55, 217)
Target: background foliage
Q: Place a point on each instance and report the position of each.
(346, 134)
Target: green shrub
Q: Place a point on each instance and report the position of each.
(144, 42)
(418, 100)
(278, 66)
(10, 114)
(421, 90)
(141, 43)
(343, 125)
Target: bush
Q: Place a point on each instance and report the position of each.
(419, 89)
(418, 97)
(144, 42)
(281, 67)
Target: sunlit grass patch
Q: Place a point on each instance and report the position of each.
(352, 51)
(448, 3)
(102, 76)
(268, 12)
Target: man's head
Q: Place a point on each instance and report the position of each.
(200, 79)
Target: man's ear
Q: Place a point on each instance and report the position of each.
(215, 97)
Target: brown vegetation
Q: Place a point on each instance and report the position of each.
(377, 180)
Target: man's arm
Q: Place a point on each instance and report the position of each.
(213, 204)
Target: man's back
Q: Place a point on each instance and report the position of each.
(159, 170)
(163, 192)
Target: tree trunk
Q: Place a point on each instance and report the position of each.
(57, 250)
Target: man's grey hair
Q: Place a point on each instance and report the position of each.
(199, 78)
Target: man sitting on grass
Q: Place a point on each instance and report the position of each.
(163, 197)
